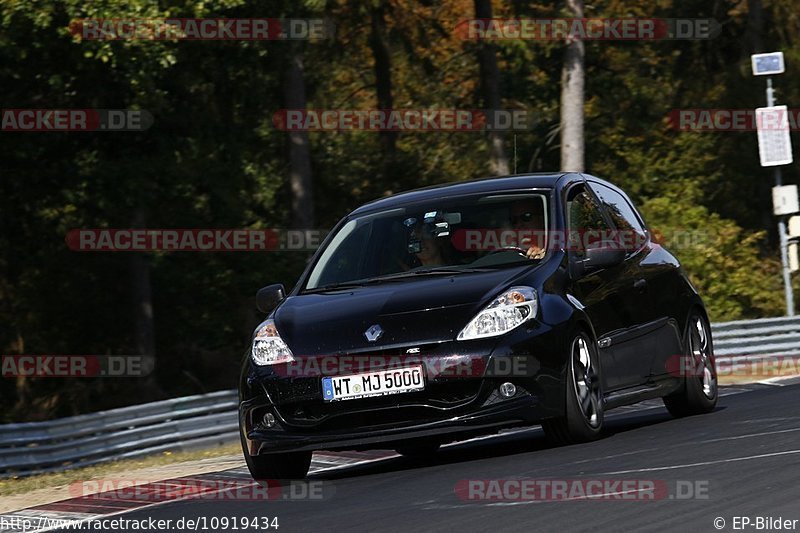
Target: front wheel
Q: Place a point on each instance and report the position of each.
(698, 392)
(291, 465)
(583, 417)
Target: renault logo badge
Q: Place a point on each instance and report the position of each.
(373, 333)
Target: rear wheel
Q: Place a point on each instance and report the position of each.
(583, 417)
(291, 465)
(698, 393)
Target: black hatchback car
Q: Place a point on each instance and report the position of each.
(459, 310)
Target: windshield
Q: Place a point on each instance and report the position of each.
(444, 235)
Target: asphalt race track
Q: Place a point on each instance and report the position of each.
(741, 460)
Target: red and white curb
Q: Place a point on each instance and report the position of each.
(57, 515)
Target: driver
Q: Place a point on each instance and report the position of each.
(430, 248)
(527, 216)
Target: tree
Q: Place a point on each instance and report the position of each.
(382, 68)
(572, 98)
(299, 149)
(490, 92)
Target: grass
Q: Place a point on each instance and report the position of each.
(738, 379)
(21, 485)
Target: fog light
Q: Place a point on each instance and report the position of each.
(508, 390)
(268, 421)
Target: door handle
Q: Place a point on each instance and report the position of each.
(640, 285)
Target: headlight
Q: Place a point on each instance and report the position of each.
(268, 347)
(506, 312)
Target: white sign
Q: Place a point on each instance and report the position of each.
(784, 200)
(794, 226)
(794, 264)
(774, 143)
(767, 64)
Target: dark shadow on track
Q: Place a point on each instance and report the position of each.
(503, 445)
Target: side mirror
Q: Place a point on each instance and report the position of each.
(604, 254)
(268, 298)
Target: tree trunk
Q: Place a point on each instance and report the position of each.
(142, 296)
(755, 26)
(490, 92)
(572, 99)
(379, 45)
(294, 96)
(144, 320)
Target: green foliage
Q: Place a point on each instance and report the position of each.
(724, 262)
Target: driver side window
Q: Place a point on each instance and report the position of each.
(585, 221)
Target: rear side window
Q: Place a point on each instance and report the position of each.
(623, 216)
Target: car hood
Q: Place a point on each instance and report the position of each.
(419, 311)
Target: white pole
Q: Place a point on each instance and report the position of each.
(784, 239)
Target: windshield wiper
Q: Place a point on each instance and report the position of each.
(451, 270)
(338, 286)
(393, 277)
(431, 271)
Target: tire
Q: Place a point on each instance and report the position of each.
(277, 466)
(699, 391)
(418, 450)
(583, 417)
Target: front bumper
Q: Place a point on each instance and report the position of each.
(451, 407)
(520, 411)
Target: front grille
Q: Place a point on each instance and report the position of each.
(438, 400)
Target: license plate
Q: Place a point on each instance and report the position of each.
(380, 383)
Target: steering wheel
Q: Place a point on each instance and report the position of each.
(517, 249)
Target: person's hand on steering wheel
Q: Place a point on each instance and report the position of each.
(532, 250)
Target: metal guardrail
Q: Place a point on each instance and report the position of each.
(205, 420)
(186, 423)
(766, 336)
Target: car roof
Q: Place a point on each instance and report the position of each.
(477, 186)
